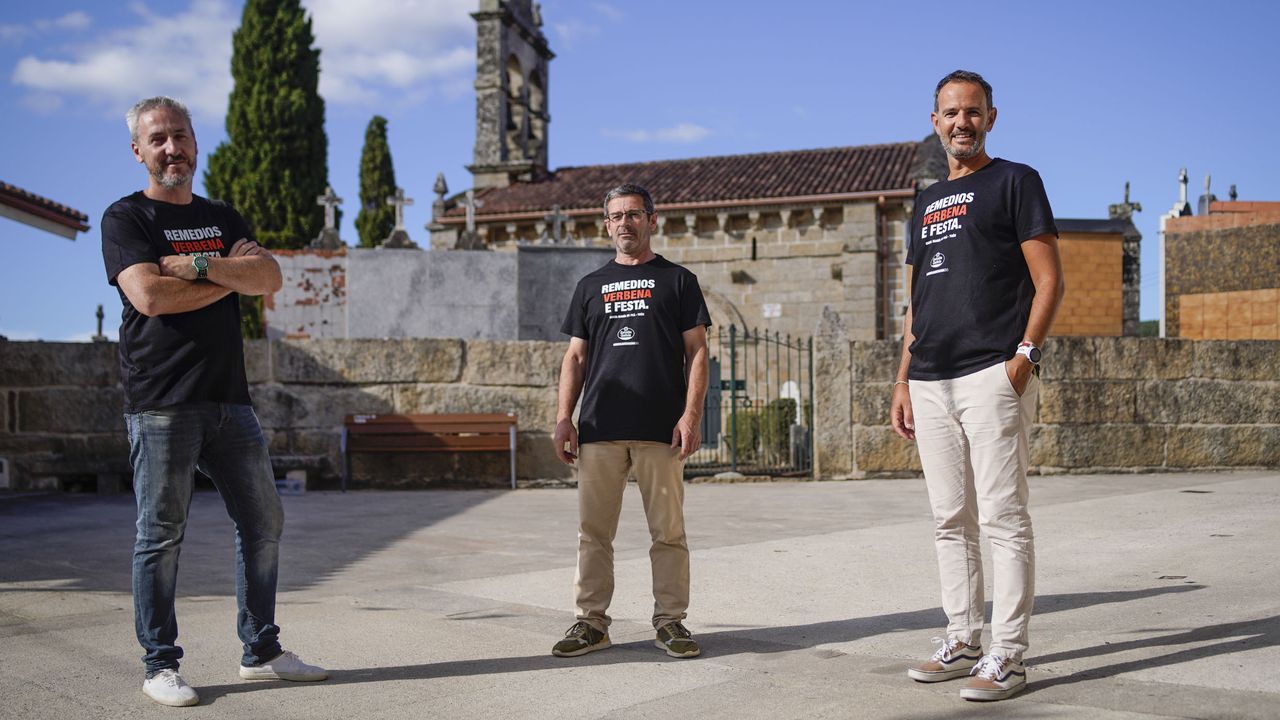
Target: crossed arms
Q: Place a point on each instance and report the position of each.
(170, 286)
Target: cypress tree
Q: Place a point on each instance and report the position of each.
(274, 163)
(376, 218)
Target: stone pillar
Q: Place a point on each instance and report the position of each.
(833, 445)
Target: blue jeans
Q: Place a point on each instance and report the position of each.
(225, 442)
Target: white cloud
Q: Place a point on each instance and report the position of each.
(380, 50)
(187, 55)
(607, 10)
(568, 32)
(71, 21)
(680, 133)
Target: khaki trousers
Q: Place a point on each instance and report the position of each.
(972, 432)
(602, 476)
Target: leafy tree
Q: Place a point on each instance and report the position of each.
(274, 163)
(376, 218)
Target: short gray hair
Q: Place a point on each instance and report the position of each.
(629, 189)
(963, 76)
(151, 103)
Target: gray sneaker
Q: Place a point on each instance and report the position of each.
(677, 641)
(580, 640)
(168, 688)
(285, 666)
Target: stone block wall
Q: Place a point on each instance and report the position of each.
(1105, 405)
(61, 422)
(1231, 252)
(1092, 265)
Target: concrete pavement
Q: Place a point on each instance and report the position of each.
(1156, 597)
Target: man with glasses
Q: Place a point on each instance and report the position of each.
(638, 358)
(986, 282)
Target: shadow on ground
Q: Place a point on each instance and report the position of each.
(85, 543)
(782, 639)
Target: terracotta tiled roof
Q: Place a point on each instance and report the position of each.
(718, 180)
(29, 202)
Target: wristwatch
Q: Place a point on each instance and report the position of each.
(1029, 349)
(201, 264)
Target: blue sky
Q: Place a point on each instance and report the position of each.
(1090, 93)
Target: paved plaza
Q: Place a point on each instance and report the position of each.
(1156, 597)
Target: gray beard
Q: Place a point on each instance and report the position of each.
(973, 151)
(171, 181)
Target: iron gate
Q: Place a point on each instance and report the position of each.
(758, 414)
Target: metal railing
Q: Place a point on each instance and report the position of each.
(758, 414)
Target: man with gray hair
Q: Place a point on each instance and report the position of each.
(638, 358)
(180, 263)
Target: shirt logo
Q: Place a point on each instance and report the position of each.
(626, 333)
(937, 260)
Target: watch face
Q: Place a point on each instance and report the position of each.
(1034, 355)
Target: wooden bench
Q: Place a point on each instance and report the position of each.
(427, 433)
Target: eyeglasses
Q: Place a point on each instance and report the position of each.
(632, 215)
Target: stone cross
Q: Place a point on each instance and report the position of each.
(557, 220)
(330, 201)
(100, 315)
(471, 203)
(399, 200)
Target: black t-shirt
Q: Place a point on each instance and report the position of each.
(971, 291)
(633, 318)
(184, 357)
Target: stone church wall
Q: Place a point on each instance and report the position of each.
(775, 269)
(1106, 404)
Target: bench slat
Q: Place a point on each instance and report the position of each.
(423, 429)
(427, 443)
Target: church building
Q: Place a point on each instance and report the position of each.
(773, 237)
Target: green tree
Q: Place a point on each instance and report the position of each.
(274, 163)
(376, 218)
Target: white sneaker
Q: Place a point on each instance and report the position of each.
(952, 660)
(285, 666)
(995, 677)
(168, 688)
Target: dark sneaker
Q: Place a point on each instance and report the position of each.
(677, 641)
(995, 678)
(580, 640)
(952, 660)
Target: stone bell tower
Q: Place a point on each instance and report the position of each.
(511, 93)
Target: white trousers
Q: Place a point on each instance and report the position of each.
(971, 432)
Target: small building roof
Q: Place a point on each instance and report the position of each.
(41, 212)
(1117, 226)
